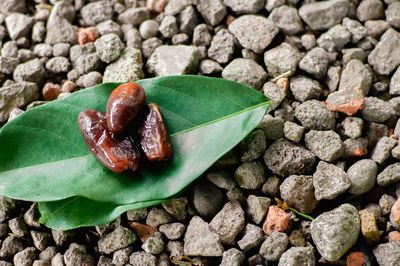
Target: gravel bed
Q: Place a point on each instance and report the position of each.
(328, 146)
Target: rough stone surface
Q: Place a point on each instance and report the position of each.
(128, 67)
(245, 71)
(282, 59)
(313, 114)
(298, 192)
(326, 145)
(274, 246)
(386, 55)
(362, 176)
(334, 232)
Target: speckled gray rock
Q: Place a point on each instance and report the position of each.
(249, 175)
(330, 181)
(173, 60)
(41, 240)
(313, 114)
(357, 30)
(172, 231)
(10, 246)
(16, 95)
(31, 71)
(8, 6)
(222, 47)
(376, 110)
(298, 192)
(158, 216)
(390, 175)
(141, 258)
(287, 19)
(117, 239)
(245, 71)
(395, 83)
(304, 88)
(18, 25)
(281, 59)
(257, 207)
(334, 39)
(58, 64)
(212, 11)
(200, 240)
(362, 175)
(228, 223)
(386, 55)
(393, 14)
(315, 62)
(370, 10)
(388, 254)
(323, 15)
(334, 232)
(253, 32)
(221, 179)
(25, 257)
(356, 76)
(128, 67)
(168, 26)
(232, 257)
(253, 236)
(177, 207)
(274, 93)
(201, 35)
(207, 199)
(353, 53)
(326, 145)
(298, 256)
(96, 12)
(272, 127)
(286, 158)
(18, 227)
(109, 26)
(274, 246)
(109, 47)
(154, 244)
(121, 257)
(293, 131)
(59, 28)
(382, 149)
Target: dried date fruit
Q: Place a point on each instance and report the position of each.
(125, 104)
(116, 154)
(154, 138)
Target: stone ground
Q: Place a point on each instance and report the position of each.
(328, 147)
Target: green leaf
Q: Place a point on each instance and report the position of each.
(44, 158)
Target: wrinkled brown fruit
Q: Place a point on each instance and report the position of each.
(124, 105)
(154, 138)
(117, 155)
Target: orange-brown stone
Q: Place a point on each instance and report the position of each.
(50, 91)
(86, 35)
(394, 236)
(144, 231)
(277, 220)
(356, 259)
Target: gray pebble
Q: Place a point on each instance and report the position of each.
(109, 47)
(253, 236)
(134, 15)
(177, 208)
(330, 181)
(370, 10)
(61, 49)
(172, 231)
(376, 110)
(43, 50)
(9, 49)
(287, 19)
(362, 176)
(334, 232)
(272, 127)
(390, 175)
(388, 254)
(395, 83)
(386, 55)
(308, 41)
(39, 31)
(31, 71)
(393, 14)
(168, 27)
(222, 47)
(298, 256)
(133, 39)
(149, 46)
(356, 76)
(58, 65)
(18, 25)
(382, 150)
(274, 246)
(18, 227)
(154, 244)
(245, 71)
(293, 131)
(286, 158)
(48, 253)
(96, 12)
(304, 88)
(232, 257)
(228, 222)
(274, 93)
(90, 79)
(245, 7)
(221, 179)
(315, 62)
(207, 199)
(281, 59)
(41, 240)
(326, 145)
(257, 208)
(141, 258)
(249, 175)
(109, 26)
(323, 15)
(117, 239)
(357, 30)
(313, 114)
(157, 217)
(8, 64)
(334, 39)
(188, 20)
(121, 257)
(352, 127)
(375, 28)
(253, 32)
(201, 35)
(212, 11)
(200, 240)
(208, 67)
(137, 215)
(353, 53)
(298, 192)
(386, 203)
(128, 67)
(10, 246)
(148, 29)
(25, 257)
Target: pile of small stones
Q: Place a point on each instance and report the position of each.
(328, 147)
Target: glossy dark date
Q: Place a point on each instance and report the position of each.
(117, 155)
(154, 138)
(124, 105)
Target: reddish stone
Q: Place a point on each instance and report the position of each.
(68, 86)
(277, 220)
(345, 101)
(86, 35)
(50, 91)
(157, 6)
(356, 259)
(394, 236)
(144, 231)
(395, 214)
(229, 19)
